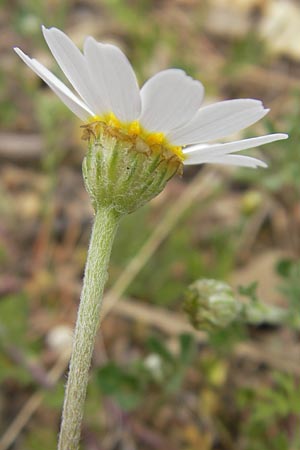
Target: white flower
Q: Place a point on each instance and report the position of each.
(166, 110)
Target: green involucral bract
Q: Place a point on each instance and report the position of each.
(122, 171)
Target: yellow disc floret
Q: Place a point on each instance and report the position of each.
(134, 128)
(154, 140)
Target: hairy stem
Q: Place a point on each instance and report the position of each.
(104, 229)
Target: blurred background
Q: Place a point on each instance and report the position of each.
(156, 382)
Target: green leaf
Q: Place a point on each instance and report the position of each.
(283, 267)
(249, 291)
(13, 318)
(123, 386)
(156, 346)
(187, 349)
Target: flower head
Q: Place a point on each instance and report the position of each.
(166, 114)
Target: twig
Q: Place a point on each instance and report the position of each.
(32, 404)
(253, 227)
(173, 324)
(166, 321)
(36, 371)
(21, 147)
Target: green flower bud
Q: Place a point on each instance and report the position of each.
(122, 170)
(211, 304)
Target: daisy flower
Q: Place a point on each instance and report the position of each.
(137, 140)
(166, 111)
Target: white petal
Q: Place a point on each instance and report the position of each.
(218, 120)
(238, 160)
(169, 99)
(62, 91)
(73, 64)
(197, 153)
(111, 71)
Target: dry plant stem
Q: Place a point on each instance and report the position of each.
(32, 404)
(104, 229)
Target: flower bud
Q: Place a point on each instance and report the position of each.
(211, 304)
(122, 170)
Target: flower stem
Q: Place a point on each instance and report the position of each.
(104, 229)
